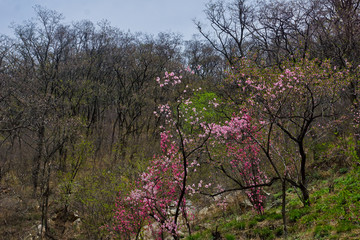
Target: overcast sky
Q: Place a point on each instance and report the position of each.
(150, 16)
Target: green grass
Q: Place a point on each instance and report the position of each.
(273, 216)
(322, 232)
(331, 215)
(229, 237)
(345, 226)
(196, 236)
(252, 223)
(295, 214)
(343, 170)
(341, 208)
(234, 224)
(265, 233)
(260, 218)
(279, 231)
(206, 234)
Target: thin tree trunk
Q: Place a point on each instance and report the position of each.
(37, 158)
(283, 207)
(305, 195)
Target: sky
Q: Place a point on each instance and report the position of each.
(148, 16)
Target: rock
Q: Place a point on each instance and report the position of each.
(247, 203)
(77, 224)
(273, 204)
(207, 225)
(203, 212)
(40, 230)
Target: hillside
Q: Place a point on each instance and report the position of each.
(251, 130)
(333, 214)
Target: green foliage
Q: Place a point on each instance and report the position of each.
(95, 198)
(252, 223)
(296, 214)
(240, 225)
(334, 237)
(294, 202)
(343, 170)
(203, 235)
(351, 149)
(82, 152)
(320, 193)
(260, 218)
(205, 106)
(279, 231)
(330, 213)
(229, 237)
(309, 219)
(265, 233)
(278, 195)
(347, 201)
(344, 226)
(342, 149)
(341, 207)
(319, 150)
(195, 236)
(203, 102)
(322, 231)
(273, 216)
(132, 159)
(196, 228)
(234, 224)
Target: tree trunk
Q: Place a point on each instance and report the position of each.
(305, 195)
(283, 207)
(37, 158)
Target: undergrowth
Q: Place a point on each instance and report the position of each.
(334, 213)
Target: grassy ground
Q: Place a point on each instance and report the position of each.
(334, 213)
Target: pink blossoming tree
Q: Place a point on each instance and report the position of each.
(289, 103)
(239, 158)
(159, 196)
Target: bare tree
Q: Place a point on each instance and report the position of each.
(204, 59)
(229, 23)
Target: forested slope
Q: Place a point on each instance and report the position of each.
(249, 130)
